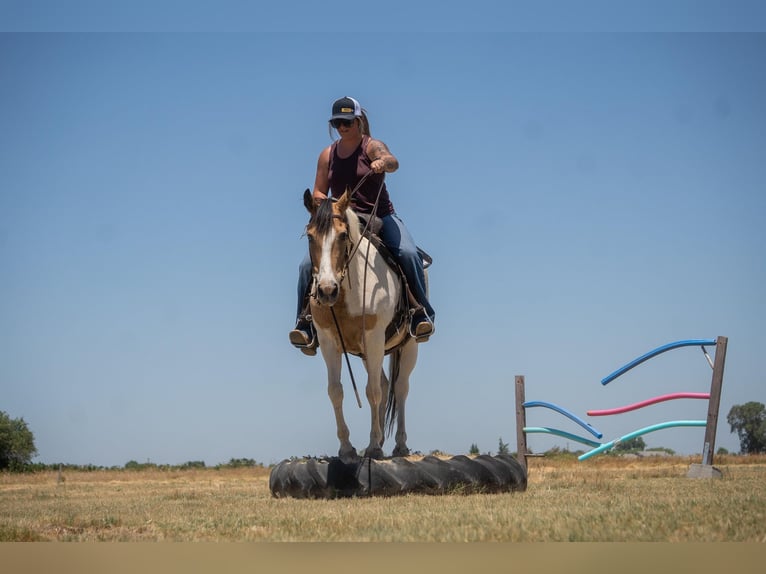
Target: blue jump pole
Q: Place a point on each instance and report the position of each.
(634, 363)
(566, 413)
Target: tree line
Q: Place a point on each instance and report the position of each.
(17, 449)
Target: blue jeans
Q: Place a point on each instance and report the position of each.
(397, 238)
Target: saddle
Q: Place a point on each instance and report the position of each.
(370, 226)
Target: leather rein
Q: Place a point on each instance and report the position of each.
(350, 255)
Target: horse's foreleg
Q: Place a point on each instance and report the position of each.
(374, 365)
(401, 390)
(335, 392)
(384, 387)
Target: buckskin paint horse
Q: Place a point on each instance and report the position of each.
(356, 295)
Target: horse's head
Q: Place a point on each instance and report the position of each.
(329, 244)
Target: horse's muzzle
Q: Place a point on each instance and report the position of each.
(327, 292)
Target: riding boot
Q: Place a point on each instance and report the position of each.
(421, 325)
(304, 335)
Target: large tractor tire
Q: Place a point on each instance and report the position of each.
(332, 478)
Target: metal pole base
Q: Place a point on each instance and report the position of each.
(703, 471)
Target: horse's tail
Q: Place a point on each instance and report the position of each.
(395, 361)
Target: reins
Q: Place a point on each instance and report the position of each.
(345, 354)
(369, 220)
(364, 281)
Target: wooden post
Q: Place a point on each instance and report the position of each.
(521, 422)
(714, 401)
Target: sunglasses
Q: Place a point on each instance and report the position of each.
(336, 123)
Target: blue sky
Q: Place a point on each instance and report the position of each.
(586, 198)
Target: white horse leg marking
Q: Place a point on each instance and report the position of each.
(335, 391)
(374, 365)
(384, 386)
(401, 390)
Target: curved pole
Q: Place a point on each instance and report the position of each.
(566, 413)
(647, 402)
(611, 444)
(634, 363)
(561, 433)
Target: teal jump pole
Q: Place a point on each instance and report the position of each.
(611, 444)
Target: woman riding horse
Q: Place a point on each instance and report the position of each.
(358, 160)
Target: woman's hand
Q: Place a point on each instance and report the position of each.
(378, 165)
(384, 160)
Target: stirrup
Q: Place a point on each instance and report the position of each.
(423, 329)
(304, 336)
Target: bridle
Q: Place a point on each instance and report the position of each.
(351, 251)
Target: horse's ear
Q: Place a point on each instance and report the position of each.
(344, 201)
(308, 201)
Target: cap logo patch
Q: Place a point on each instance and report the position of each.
(346, 110)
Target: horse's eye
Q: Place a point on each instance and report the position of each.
(343, 236)
(311, 238)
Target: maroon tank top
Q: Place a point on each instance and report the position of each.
(347, 172)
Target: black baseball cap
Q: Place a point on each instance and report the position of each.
(346, 109)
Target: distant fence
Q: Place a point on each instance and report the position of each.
(710, 424)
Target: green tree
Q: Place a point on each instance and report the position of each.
(240, 463)
(502, 447)
(474, 449)
(749, 422)
(633, 444)
(17, 443)
(194, 464)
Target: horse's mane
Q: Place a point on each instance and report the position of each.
(322, 221)
(322, 217)
(354, 231)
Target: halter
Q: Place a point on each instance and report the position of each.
(344, 269)
(351, 251)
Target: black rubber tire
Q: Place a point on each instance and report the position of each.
(332, 478)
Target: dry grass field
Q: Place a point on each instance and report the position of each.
(603, 499)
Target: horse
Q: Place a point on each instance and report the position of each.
(356, 295)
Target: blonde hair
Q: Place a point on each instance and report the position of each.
(364, 124)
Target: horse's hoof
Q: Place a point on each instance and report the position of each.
(401, 451)
(374, 453)
(348, 456)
